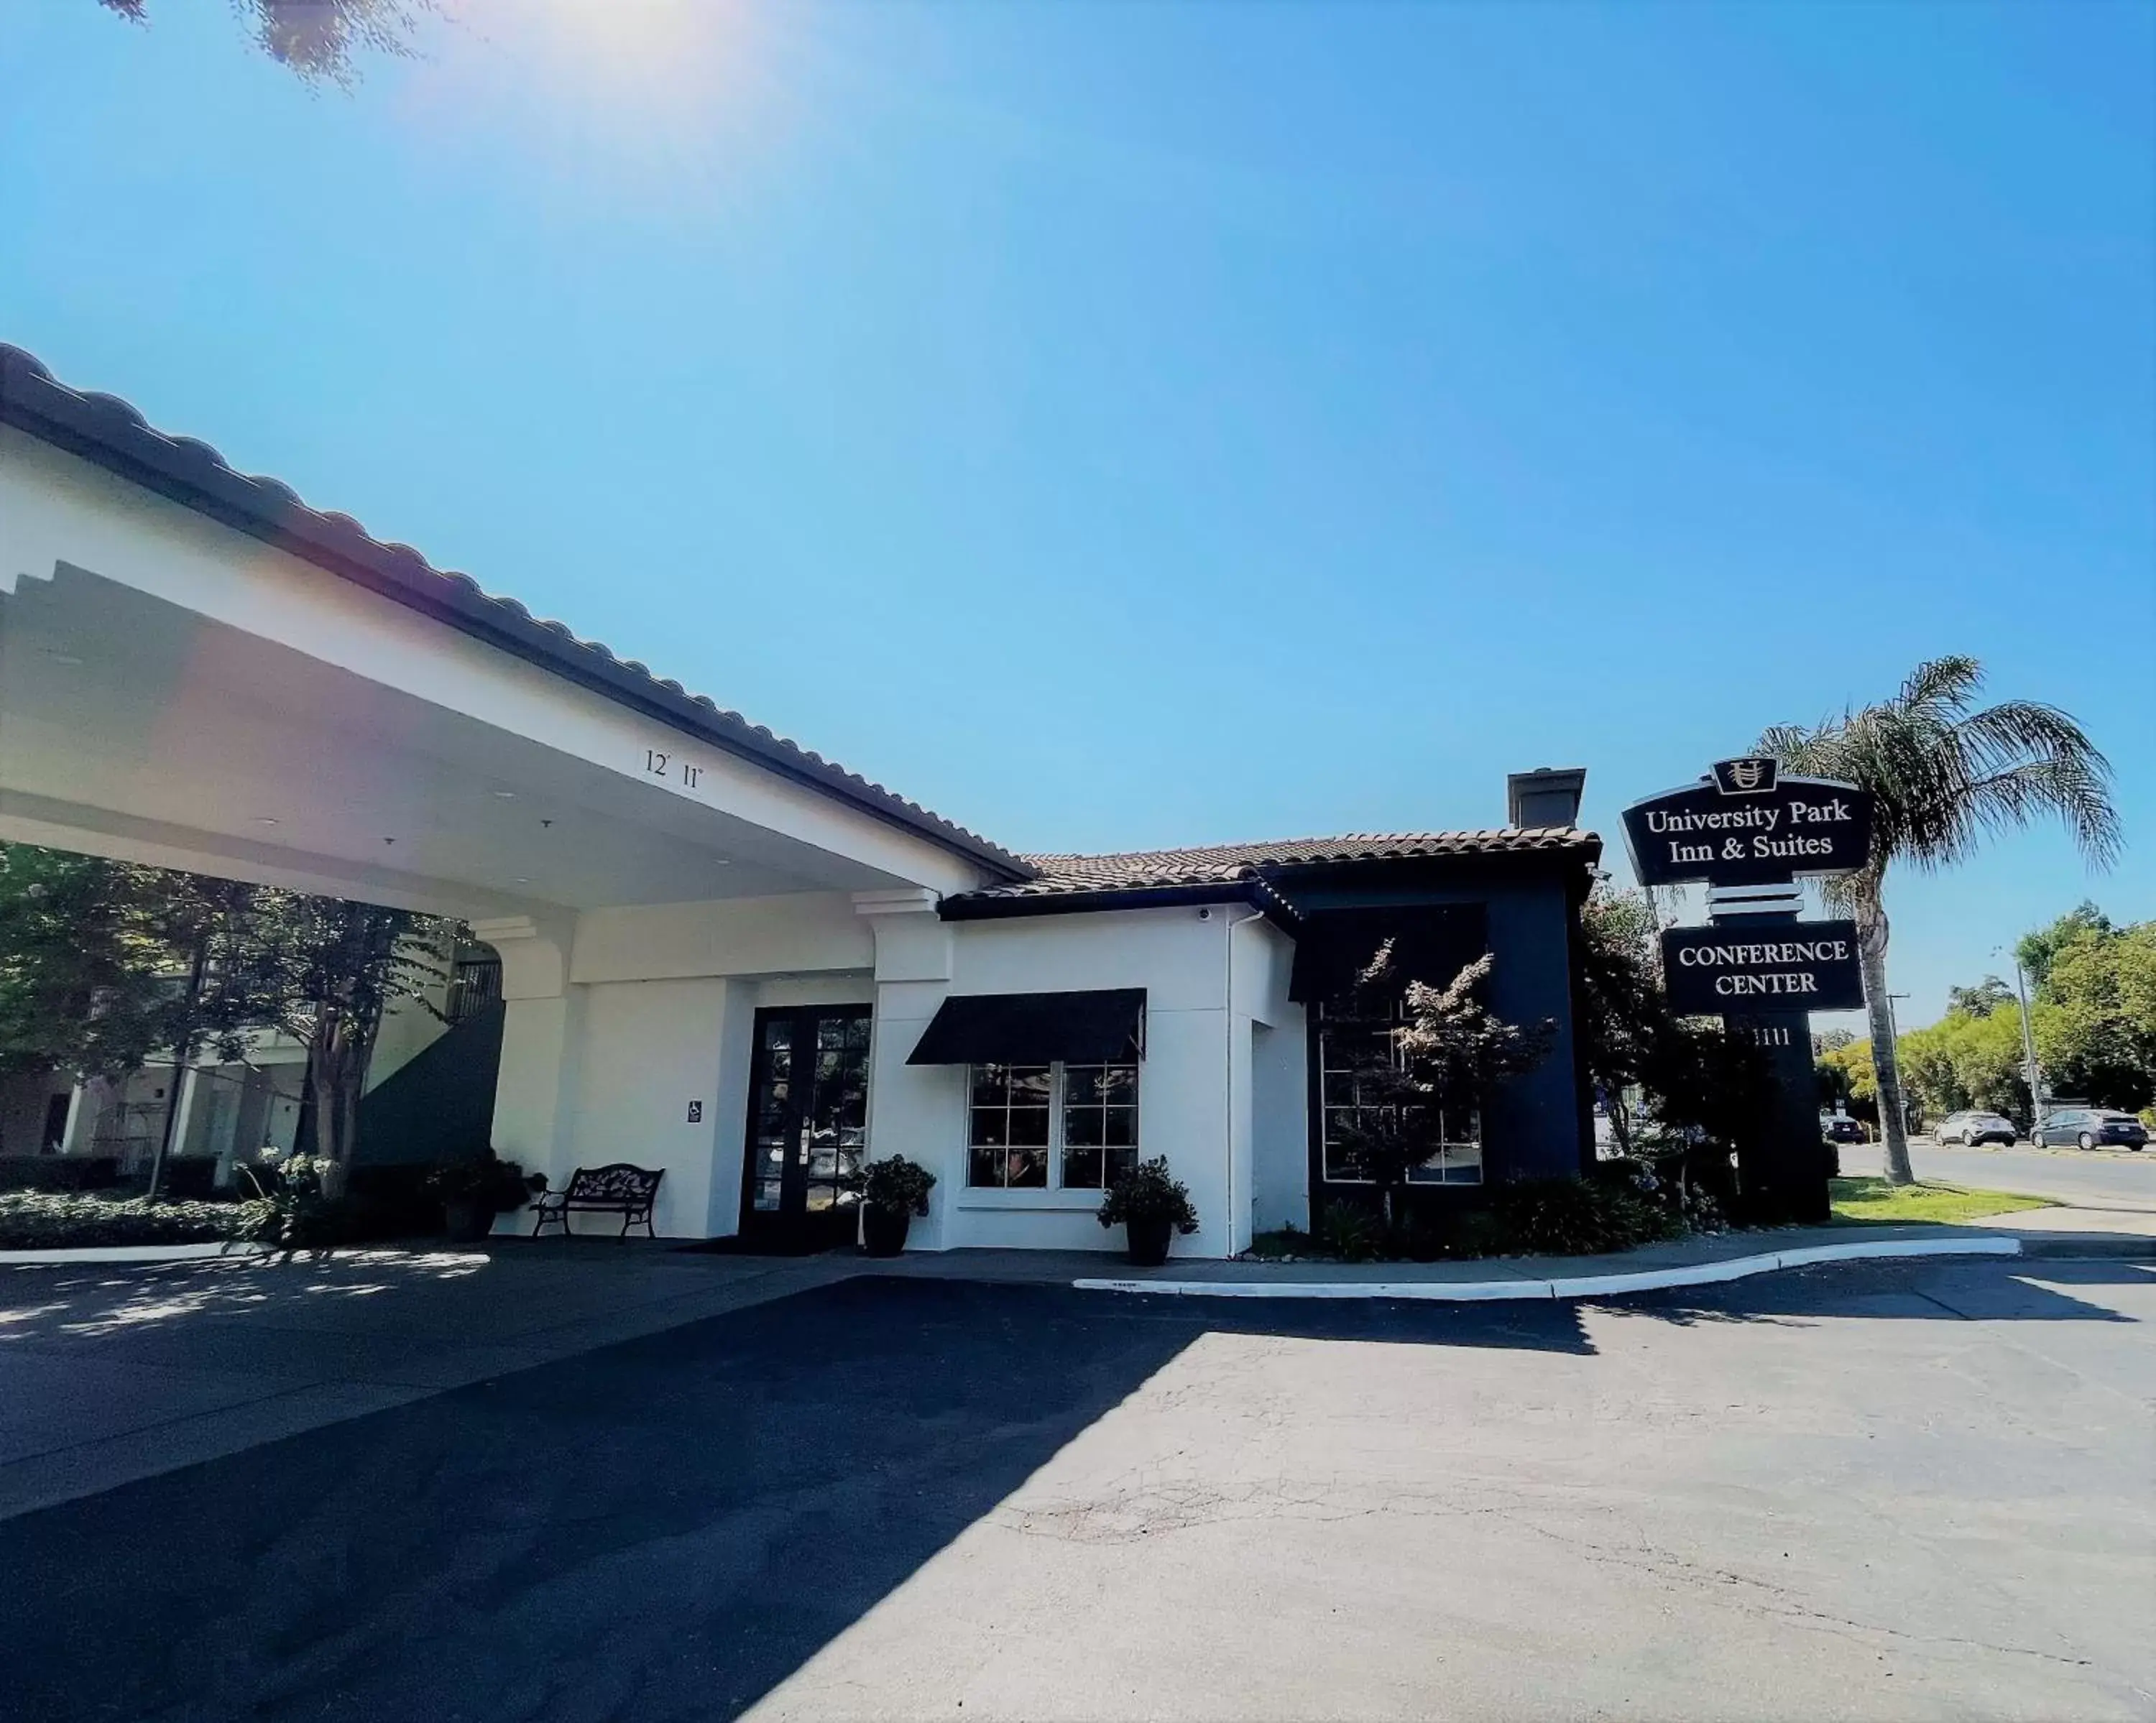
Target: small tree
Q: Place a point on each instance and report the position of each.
(1622, 1012)
(1450, 1051)
(324, 970)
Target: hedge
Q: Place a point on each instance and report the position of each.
(41, 1220)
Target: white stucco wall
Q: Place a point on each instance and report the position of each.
(1186, 1085)
(618, 1022)
(651, 1051)
(803, 932)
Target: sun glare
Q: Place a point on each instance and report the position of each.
(636, 79)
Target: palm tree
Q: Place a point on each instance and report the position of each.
(1943, 777)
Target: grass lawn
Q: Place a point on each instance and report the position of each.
(1874, 1199)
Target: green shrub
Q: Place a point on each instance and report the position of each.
(1569, 1217)
(1354, 1235)
(896, 1185)
(1146, 1192)
(59, 1172)
(486, 1180)
(41, 1220)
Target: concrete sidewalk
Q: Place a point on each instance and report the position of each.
(2082, 1233)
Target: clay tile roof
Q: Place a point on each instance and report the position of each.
(111, 433)
(1225, 863)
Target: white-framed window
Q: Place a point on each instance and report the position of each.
(1051, 1127)
(1351, 1051)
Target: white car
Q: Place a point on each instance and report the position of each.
(1973, 1127)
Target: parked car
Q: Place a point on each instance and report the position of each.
(1975, 1126)
(1837, 1128)
(2093, 1128)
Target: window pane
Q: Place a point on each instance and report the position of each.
(1028, 1167)
(1081, 1127)
(1029, 1085)
(1081, 1169)
(1120, 1161)
(1119, 1126)
(1081, 1085)
(985, 1166)
(991, 1127)
(989, 1085)
(1029, 1127)
(1119, 1085)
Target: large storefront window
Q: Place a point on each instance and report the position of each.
(1352, 1052)
(1078, 1122)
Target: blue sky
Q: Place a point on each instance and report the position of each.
(1120, 426)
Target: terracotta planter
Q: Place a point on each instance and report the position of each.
(883, 1230)
(1148, 1242)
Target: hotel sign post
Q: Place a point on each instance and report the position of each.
(1751, 834)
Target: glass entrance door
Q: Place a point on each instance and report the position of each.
(808, 1126)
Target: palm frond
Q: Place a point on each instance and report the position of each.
(1944, 776)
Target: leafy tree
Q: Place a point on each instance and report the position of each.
(1968, 1059)
(322, 40)
(1986, 997)
(1622, 1012)
(1450, 1051)
(2095, 1017)
(324, 970)
(1846, 1075)
(83, 964)
(1698, 1086)
(2036, 951)
(1944, 776)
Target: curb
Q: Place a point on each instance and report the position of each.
(117, 1254)
(1735, 1268)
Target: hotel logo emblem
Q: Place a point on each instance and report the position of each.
(1745, 777)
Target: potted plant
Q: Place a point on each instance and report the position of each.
(472, 1193)
(892, 1192)
(891, 1196)
(1150, 1206)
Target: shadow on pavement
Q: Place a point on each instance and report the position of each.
(1989, 1289)
(665, 1528)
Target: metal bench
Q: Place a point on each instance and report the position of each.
(621, 1189)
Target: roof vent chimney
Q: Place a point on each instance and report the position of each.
(1547, 796)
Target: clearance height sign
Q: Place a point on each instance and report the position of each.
(1787, 966)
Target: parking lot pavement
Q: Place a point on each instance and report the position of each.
(2098, 1179)
(110, 1374)
(1885, 1490)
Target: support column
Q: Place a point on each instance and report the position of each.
(914, 1110)
(542, 1041)
(86, 1110)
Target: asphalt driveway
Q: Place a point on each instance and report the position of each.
(1891, 1490)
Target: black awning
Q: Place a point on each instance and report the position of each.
(1087, 1028)
(1431, 943)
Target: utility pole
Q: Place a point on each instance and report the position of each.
(2032, 1072)
(1894, 1034)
